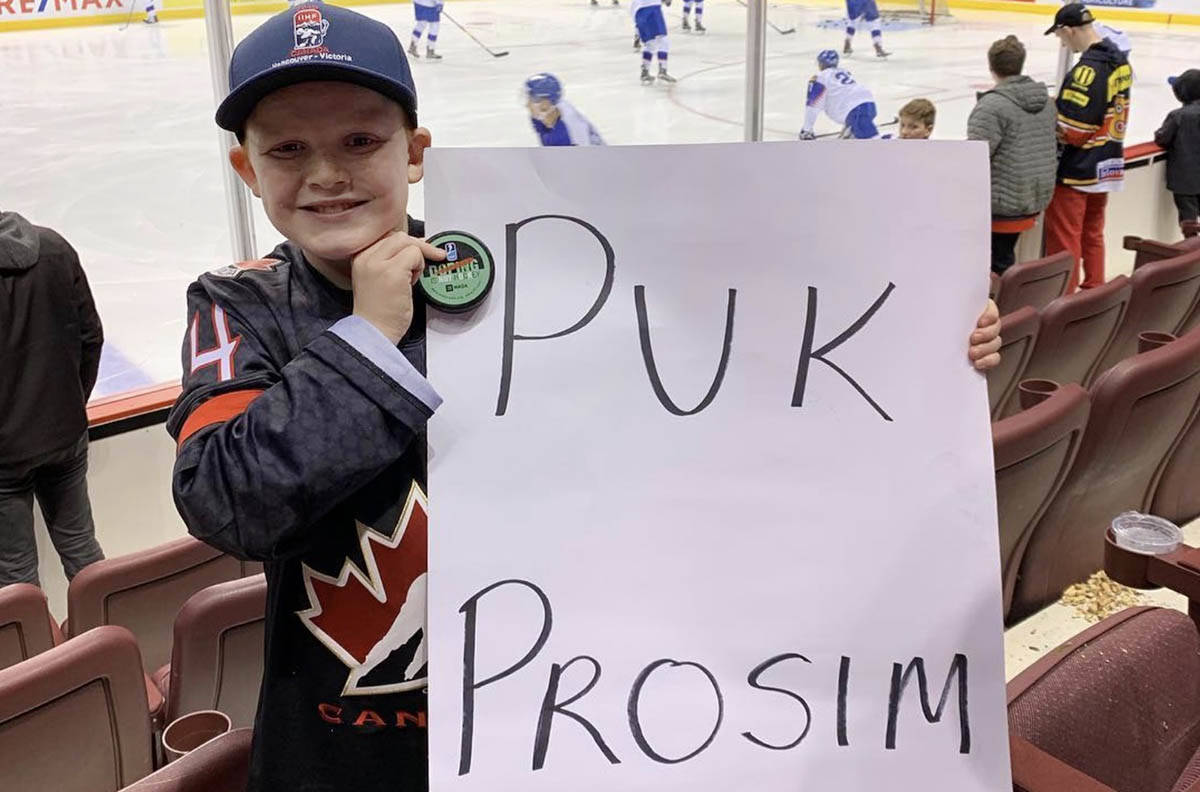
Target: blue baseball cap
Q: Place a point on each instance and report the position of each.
(311, 42)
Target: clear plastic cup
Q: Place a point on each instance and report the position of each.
(1146, 534)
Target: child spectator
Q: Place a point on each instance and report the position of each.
(1180, 136)
(917, 119)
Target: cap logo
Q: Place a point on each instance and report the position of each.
(310, 29)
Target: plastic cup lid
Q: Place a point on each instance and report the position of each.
(1146, 534)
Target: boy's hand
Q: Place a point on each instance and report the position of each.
(985, 340)
(382, 277)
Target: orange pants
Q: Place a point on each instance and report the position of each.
(1075, 222)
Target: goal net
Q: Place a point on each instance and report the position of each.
(928, 12)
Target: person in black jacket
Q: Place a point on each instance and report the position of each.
(50, 339)
(1180, 136)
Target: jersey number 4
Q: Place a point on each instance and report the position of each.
(221, 355)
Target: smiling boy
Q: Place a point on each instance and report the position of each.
(301, 425)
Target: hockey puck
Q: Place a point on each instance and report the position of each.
(464, 279)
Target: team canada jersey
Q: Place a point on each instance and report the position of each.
(837, 93)
(301, 444)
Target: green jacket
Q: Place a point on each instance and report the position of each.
(1017, 119)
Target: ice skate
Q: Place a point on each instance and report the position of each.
(880, 52)
(412, 50)
(687, 25)
(700, 27)
(662, 74)
(647, 77)
(431, 55)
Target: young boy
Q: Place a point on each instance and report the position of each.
(916, 120)
(847, 102)
(652, 32)
(868, 11)
(301, 425)
(428, 12)
(555, 120)
(1180, 136)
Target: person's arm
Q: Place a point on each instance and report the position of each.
(91, 331)
(1165, 136)
(984, 124)
(814, 105)
(1082, 102)
(266, 448)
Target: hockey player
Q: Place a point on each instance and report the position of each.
(556, 120)
(868, 11)
(843, 99)
(428, 12)
(151, 12)
(687, 9)
(652, 30)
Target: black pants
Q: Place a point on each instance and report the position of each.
(60, 484)
(1004, 251)
(1188, 206)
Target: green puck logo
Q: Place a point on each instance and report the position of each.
(461, 281)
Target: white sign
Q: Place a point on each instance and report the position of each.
(711, 492)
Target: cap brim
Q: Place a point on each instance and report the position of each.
(1053, 28)
(238, 105)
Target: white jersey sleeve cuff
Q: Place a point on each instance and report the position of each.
(375, 346)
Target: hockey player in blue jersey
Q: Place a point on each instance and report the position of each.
(687, 9)
(652, 31)
(556, 120)
(428, 13)
(843, 99)
(867, 11)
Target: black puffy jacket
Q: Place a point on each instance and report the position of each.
(50, 339)
(1180, 136)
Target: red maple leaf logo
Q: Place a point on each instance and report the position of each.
(363, 615)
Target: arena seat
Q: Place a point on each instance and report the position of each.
(144, 591)
(1148, 250)
(1164, 296)
(1114, 709)
(26, 628)
(1077, 330)
(222, 765)
(1140, 409)
(217, 656)
(1035, 283)
(74, 718)
(1018, 333)
(1178, 495)
(1034, 450)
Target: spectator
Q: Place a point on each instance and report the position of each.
(1180, 136)
(50, 338)
(1093, 110)
(917, 119)
(1016, 118)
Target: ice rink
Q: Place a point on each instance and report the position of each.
(109, 136)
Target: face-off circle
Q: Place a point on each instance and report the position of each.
(464, 279)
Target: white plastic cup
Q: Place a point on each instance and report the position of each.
(189, 732)
(1146, 534)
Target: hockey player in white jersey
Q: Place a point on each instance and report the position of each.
(867, 11)
(555, 120)
(429, 14)
(687, 10)
(652, 30)
(843, 99)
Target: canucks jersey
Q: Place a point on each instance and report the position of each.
(836, 92)
(638, 5)
(571, 129)
(1117, 37)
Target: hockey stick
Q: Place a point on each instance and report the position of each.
(774, 27)
(129, 18)
(490, 51)
(893, 122)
